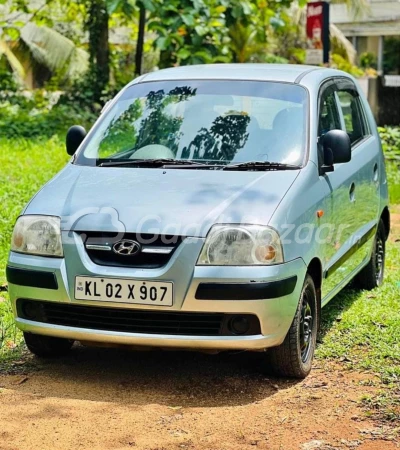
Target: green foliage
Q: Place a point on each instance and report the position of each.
(34, 49)
(274, 59)
(37, 114)
(363, 328)
(26, 165)
(338, 62)
(391, 55)
(288, 39)
(45, 47)
(368, 60)
(390, 137)
(187, 32)
(8, 81)
(199, 31)
(96, 24)
(244, 43)
(393, 176)
(190, 32)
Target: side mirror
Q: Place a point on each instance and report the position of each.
(75, 136)
(337, 149)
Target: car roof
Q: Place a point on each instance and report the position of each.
(289, 73)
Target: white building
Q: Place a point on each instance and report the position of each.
(369, 31)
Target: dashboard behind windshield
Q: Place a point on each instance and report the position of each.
(208, 121)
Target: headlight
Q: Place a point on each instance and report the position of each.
(241, 245)
(37, 235)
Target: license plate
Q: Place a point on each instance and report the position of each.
(124, 291)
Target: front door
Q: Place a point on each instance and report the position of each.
(351, 208)
(365, 159)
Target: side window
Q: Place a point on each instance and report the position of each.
(329, 118)
(354, 118)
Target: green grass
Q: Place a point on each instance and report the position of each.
(24, 167)
(361, 329)
(393, 174)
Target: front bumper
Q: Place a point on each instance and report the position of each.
(275, 309)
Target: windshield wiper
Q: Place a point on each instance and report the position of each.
(261, 165)
(190, 164)
(161, 162)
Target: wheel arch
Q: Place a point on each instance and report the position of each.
(385, 217)
(314, 269)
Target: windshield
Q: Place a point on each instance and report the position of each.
(209, 122)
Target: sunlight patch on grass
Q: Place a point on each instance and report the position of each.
(363, 329)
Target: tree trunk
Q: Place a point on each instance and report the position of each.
(99, 52)
(140, 40)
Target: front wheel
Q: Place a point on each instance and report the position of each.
(47, 346)
(293, 358)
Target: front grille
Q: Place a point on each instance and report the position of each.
(142, 259)
(131, 320)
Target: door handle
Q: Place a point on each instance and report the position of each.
(376, 173)
(352, 192)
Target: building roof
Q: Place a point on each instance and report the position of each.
(382, 19)
(271, 72)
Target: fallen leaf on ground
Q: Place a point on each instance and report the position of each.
(21, 380)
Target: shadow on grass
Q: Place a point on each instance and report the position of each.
(336, 307)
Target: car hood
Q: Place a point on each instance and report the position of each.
(184, 202)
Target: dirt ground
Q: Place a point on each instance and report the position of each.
(117, 399)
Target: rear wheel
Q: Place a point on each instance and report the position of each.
(293, 358)
(47, 346)
(372, 274)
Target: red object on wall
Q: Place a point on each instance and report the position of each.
(315, 24)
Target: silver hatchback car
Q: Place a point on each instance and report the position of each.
(211, 208)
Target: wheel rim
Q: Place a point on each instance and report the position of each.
(379, 258)
(306, 326)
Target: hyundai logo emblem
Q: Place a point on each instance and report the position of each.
(126, 247)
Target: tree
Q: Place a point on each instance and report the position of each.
(250, 23)
(129, 8)
(190, 31)
(99, 51)
(140, 39)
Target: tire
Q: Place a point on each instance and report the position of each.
(47, 346)
(371, 276)
(294, 357)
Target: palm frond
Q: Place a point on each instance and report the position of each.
(357, 8)
(244, 43)
(78, 64)
(13, 61)
(340, 40)
(53, 50)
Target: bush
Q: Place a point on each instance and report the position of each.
(270, 58)
(39, 114)
(390, 137)
(368, 60)
(338, 62)
(7, 81)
